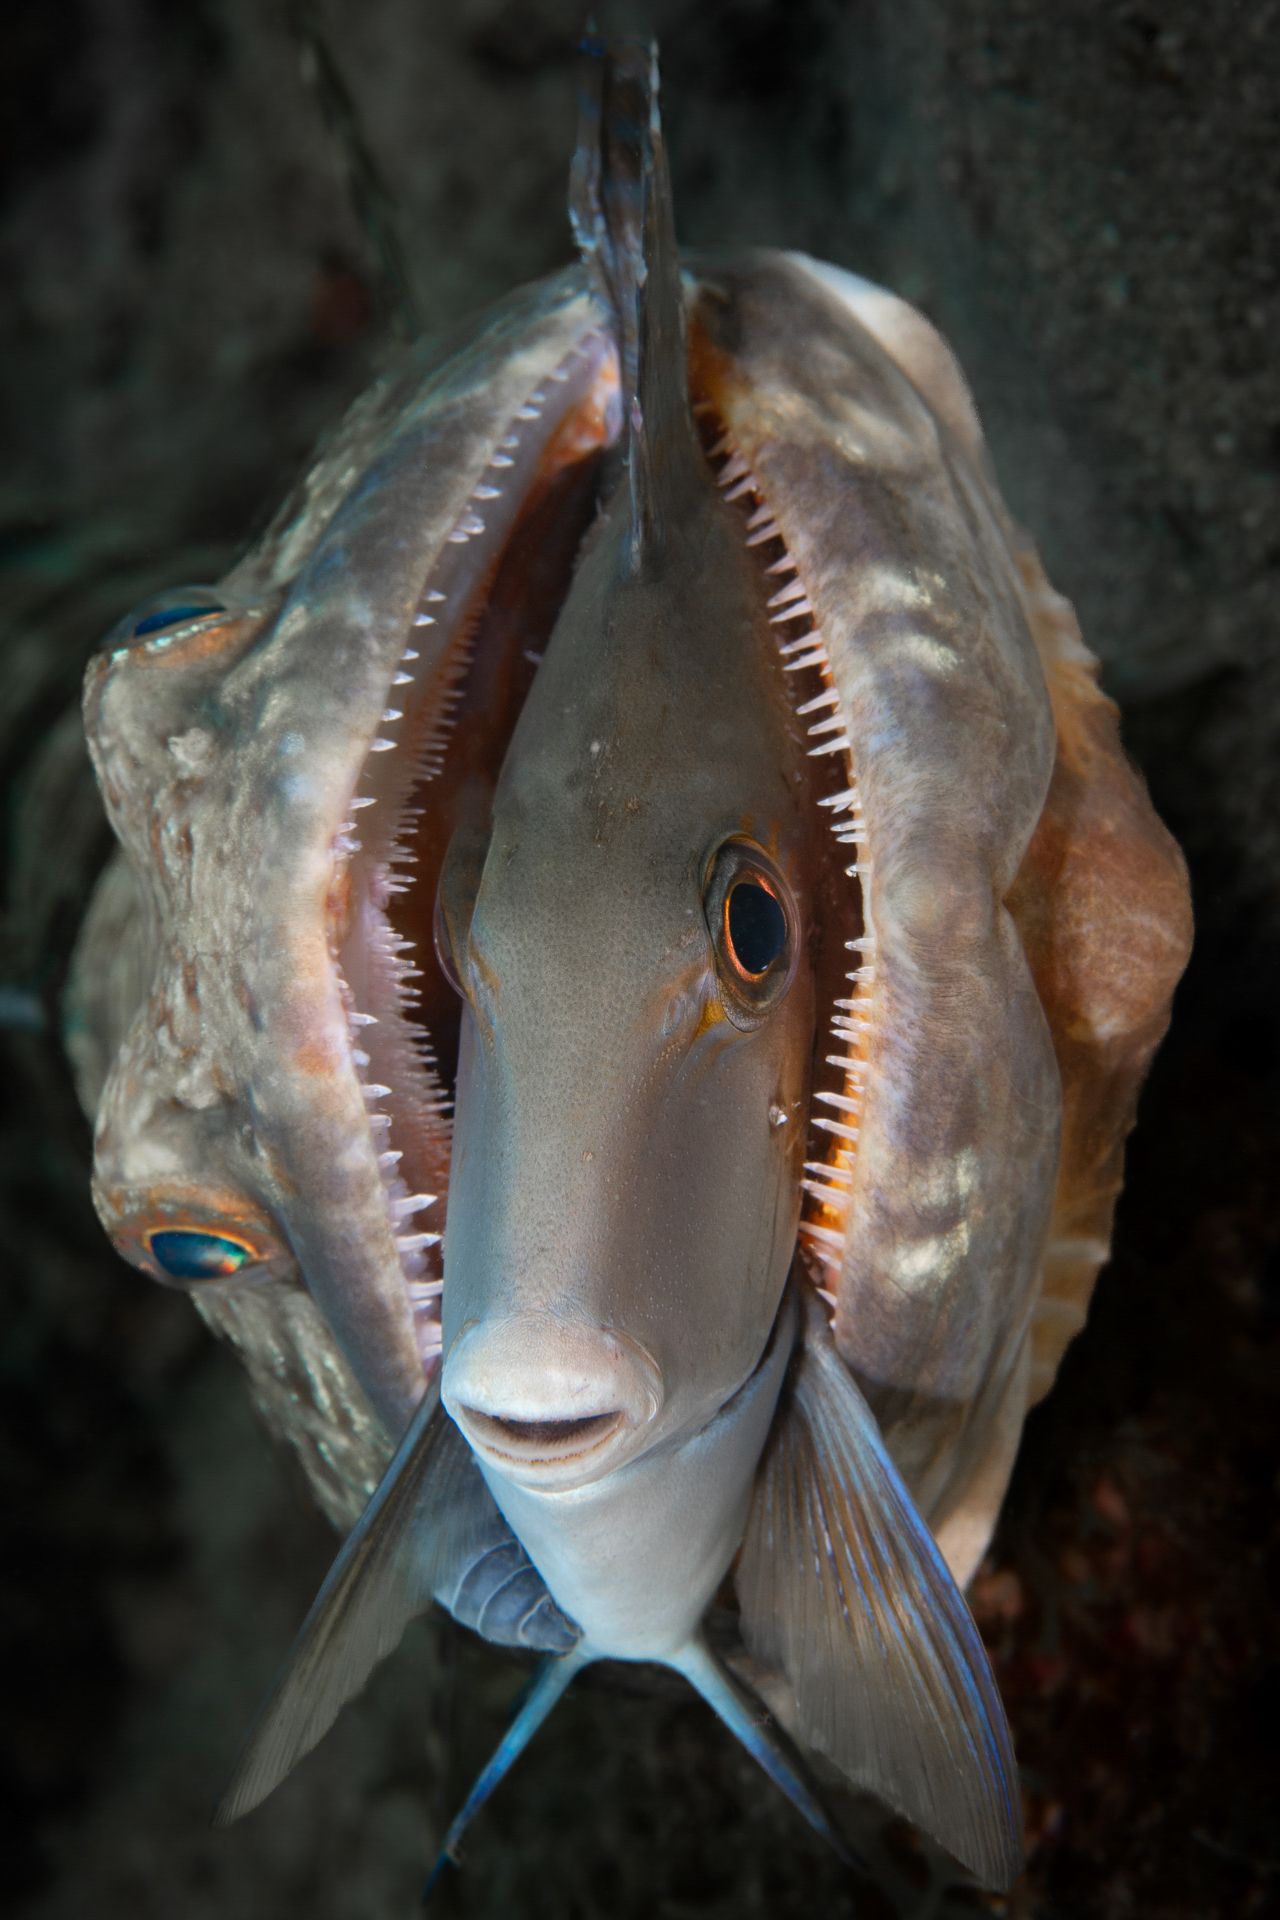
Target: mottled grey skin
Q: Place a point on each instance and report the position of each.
(232, 1094)
(637, 1169)
(228, 757)
(885, 502)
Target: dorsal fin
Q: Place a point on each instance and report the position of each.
(620, 206)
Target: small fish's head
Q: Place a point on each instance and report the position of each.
(632, 950)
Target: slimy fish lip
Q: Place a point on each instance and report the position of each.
(550, 1405)
(534, 1445)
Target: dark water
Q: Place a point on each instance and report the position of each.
(1085, 199)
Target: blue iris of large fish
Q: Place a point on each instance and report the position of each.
(634, 961)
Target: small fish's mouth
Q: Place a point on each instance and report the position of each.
(540, 1443)
(547, 1404)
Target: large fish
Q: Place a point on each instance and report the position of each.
(645, 733)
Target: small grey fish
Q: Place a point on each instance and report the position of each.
(643, 790)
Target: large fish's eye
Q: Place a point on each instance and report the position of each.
(753, 925)
(165, 616)
(189, 1255)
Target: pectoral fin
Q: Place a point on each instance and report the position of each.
(431, 1530)
(842, 1587)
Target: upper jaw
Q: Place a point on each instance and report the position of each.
(361, 729)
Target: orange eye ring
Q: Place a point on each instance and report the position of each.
(754, 928)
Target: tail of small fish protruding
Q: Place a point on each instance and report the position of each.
(548, 1684)
(746, 1718)
(621, 209)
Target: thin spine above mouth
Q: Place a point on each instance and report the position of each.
(840, 1078)
(380, 968)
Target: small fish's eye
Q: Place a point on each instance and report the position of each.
(444, 947)
(755, 926)
(186, 1255)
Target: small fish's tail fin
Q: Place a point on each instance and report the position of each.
(842, 1588)
(747, 1719)
(543, 1693)
(623, 220)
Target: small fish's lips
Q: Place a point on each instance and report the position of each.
(548, 1403)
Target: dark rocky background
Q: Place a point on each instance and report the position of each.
(1085, 199)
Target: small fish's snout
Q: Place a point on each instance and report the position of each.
(549, 1403)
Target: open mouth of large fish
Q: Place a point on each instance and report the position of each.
(484, 615)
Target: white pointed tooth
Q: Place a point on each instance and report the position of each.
(786, 564)
(830, 1196)
(486, 493)
(363, 800)
(847, 798)
(797, 612)
(842, 745)
(392, 714)
(721, 447)
(760, 515)
(528, 413)
(390, 1159)
(404, 1209)
(433, 596)
(794, 590)
(733, 469)
(741, 488)
(510, 441)
(834, 725)
(379, 1123)
(374, 1090)
(382, 746)
(824, 1170)
(423, 1292)
(347, 843)
(425, 619)
(830, 1298)
(501, 460)
(817, 658)
(362, 1019)
(360, 1057)
(769, 531)
(840, 1102)
(415, 1242)
(838, 1127)
(828, 698)
(829, 1236)
(401, 679)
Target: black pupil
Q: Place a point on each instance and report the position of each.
(757, 926)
